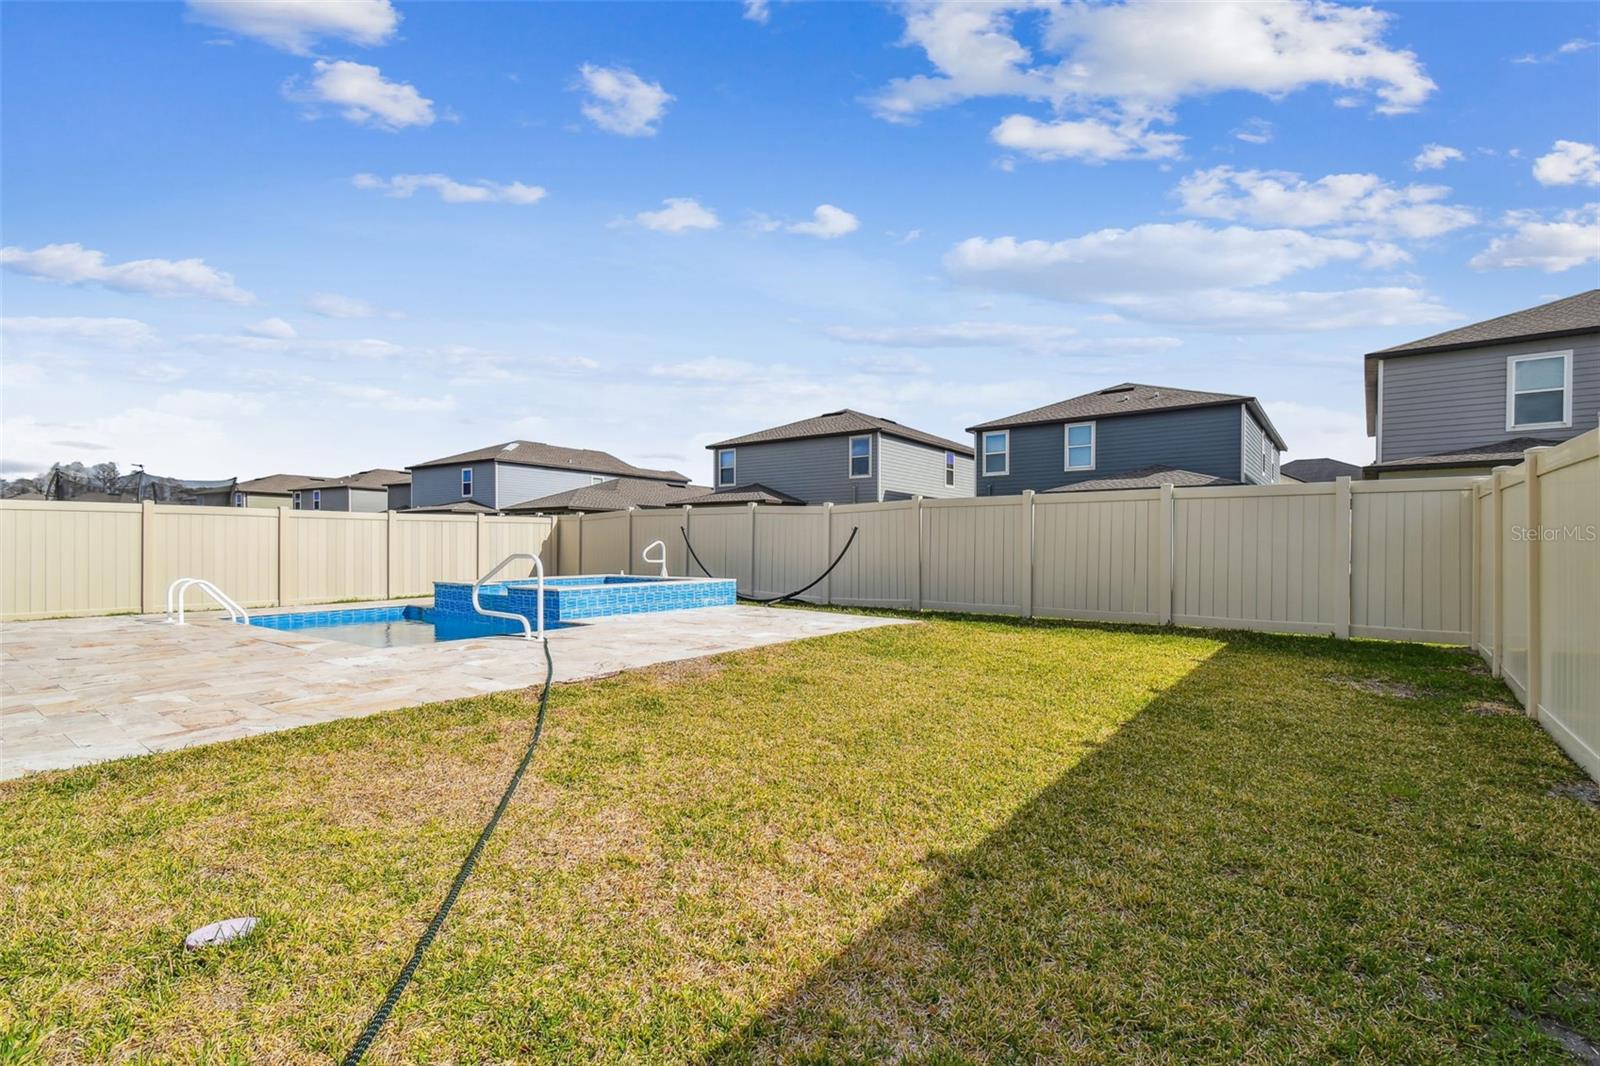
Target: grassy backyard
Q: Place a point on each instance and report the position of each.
(960, 840)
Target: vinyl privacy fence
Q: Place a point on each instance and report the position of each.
(66, 558)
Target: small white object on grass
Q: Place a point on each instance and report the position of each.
(219, 932)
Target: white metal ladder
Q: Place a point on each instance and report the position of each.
(176, 591)
(538, 569)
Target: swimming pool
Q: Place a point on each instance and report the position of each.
(389, 627)
(576, 597)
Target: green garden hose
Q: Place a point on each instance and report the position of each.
(381, 1015)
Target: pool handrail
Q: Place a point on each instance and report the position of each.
(179, 588)
(538, 569)
(645, 555)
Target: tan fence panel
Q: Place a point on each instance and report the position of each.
(662, 525)
(1514, 591)
(975, 554)
(604, 546)
(507, 535)
(723, 539)
(68, 559)
(1411, 558)
(1098, 555)
(328, 556)
(883, 566)
(569, 538)
(1483, 587)
(1569, 597)
(1258, 557)
(791, 550)
(425, 548)
(234, 548)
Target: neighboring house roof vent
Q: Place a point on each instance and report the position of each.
(1126, 387)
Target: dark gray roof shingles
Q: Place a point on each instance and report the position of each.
(1320, 469)
(751, 493)
(1146, 477)
(1128, 398)
(1508, 452)
(841, 423)
(618, 494)
(1571, 314)
(555, 457)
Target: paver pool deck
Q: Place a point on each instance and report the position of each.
(76, 691)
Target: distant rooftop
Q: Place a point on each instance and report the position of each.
(1320, 469)
(1571, 314)
(618, 494)
(843, 423)
(555, 457)
(1128, 398)
(1146, 477)
(365, 479)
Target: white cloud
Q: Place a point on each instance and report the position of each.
(622, 102)
(1025, 336)
(1572, 47)
(73, 264)
(757, 11)
(1196, 274)
(293, 25)
(827, 222)
(1570, 239)
(389, 400)
(275, 328)
(1254, 131)
(1435, 156)
(336, 305)
(1090, 139)
(1140, 58)
(363, 95)
(1353, 203)
(356, 348)
(479, 191)
(124, 333)
(679, 215)
(1316, 432)
(1568, 163)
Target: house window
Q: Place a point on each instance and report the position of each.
(297, 501)
(949, 468)
(1539, 391)
(997, 453)
(238, 499)
(1080, 446)
(726, 470)
(861, 456)
(466, 481)
(316, 499)
(1266, 459)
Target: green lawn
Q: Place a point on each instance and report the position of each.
(961, 840)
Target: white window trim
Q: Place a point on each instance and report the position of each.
(1066, 449)
(949, 468)
(850, 457)
(1566, 391)
(983, 453)
(316, 499)
(733, 468)
(468, 480)
(297, 501)
(238, 499)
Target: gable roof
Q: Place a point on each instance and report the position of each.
(1128, 398)
(1571, 314)
(755, 492)
(279, 484)
(364, 479)
(1146, 477)
(555, 457)
(842, 423)
(618, 494)
(1320, 469)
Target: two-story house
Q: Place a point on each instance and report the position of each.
(366, 491)
(1129, 436)
(843, 457)
(1468, 400)
(274, 490)
(502, 475)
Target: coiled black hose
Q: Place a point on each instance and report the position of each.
(787, 595)
(381, 1015)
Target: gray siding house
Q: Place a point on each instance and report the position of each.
(843, 457)
(274, 490)
(504, 475)
(366, 491)
(1133, 435)
(1470, 399)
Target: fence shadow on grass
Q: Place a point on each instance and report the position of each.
(1289, 854)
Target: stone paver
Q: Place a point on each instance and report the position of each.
(80, 690)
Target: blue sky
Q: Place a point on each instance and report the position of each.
(244, 238)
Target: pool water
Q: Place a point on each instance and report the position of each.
(389, 627)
